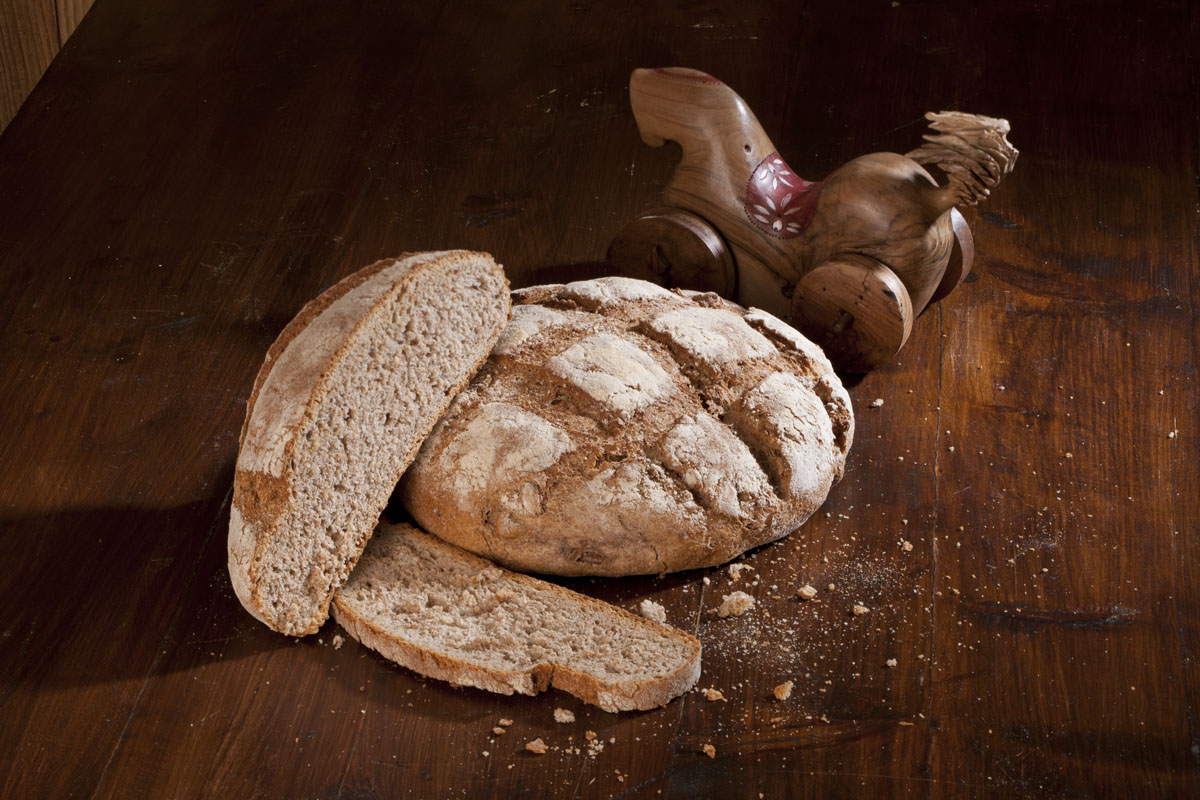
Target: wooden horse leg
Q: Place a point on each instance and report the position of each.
(674, 248)
(856, 309)
(961, 257)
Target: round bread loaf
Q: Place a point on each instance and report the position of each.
(619, 428)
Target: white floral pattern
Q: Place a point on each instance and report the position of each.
(776, 198)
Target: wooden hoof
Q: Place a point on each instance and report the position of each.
(961, 257)
(674, 248)
(856, 309)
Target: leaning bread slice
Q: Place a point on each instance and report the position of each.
(444, 613)
(343, 401)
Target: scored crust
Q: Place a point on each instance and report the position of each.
(442, 612)
(620, 428)
(397, 339)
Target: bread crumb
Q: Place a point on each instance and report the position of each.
(563, 715)
(653, 611)
(486, 754)
(736, 570)
(709, 751)
(891, 662)
(589, 735)
(906, 546)
(859, 609)
(498, 731)
(713, 695)
(806, 592)
(338, 641)
(536, 746)
(784, 690)
(735, 604)
(877, 402)
(906, 723)
(505, 722)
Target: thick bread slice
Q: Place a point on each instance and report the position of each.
(343, 401)
(447, 614)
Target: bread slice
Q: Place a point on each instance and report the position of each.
(444, 613)
(343, 401)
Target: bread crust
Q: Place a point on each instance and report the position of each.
(263, 485)
(619, 428)
(620, 695)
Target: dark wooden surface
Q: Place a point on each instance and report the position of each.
(188, 174)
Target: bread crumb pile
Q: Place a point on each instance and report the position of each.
(735, 604)
(653, 611)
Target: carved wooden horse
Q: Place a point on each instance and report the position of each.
(851, 259)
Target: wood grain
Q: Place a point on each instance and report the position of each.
(28, 41)
(70, 14)
(192, 173)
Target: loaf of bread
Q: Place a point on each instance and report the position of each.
(345, 397)
(446, 614)
(619, 428)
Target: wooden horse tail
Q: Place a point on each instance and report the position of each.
(972, 150)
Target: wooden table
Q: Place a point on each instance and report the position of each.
(188, 174)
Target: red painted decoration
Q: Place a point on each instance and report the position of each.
(688, 75)
(778, 201)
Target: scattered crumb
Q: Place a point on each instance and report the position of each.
(498, 731)
(859, 609)
(563, 715)
(877, 402)
(806, 592)
(736, 570)
(831, 587)
(653, 611)
(486, 754)
(709, 751)
(713, 695)
(906, 723)
(589, 735)
(906, 546)
(1068, 455)
(706, 580)
(735, 604)
(505, 722)
(891, 662)
(338, 641)
(784, 690)
(536, 746)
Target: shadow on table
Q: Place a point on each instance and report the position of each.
(97, 595)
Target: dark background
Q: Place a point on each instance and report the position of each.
(187, 175)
